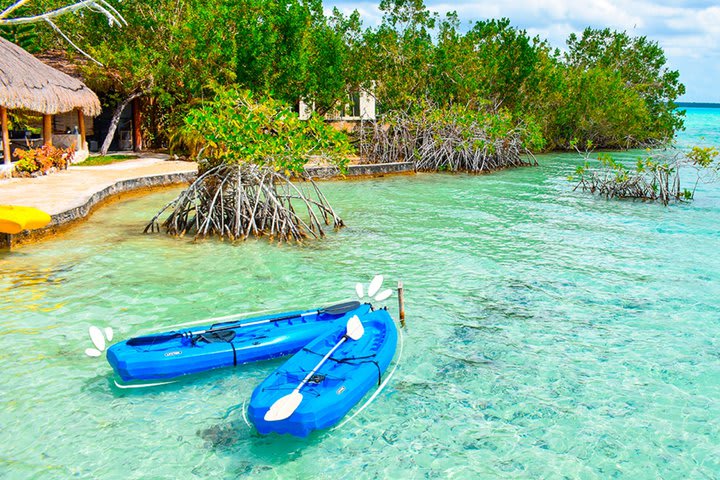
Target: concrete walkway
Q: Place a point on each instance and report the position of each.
(72, 194)
(69, 189)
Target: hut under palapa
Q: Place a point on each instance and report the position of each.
(26, 83)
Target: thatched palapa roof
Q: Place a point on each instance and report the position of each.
(26, 83)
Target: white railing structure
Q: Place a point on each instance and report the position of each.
(359, 106)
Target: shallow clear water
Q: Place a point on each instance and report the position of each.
(550, 334)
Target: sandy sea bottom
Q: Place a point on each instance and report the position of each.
(551, 335)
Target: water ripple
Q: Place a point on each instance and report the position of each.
(551, 335)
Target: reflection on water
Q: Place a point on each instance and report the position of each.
(28, 286)
(550, 334)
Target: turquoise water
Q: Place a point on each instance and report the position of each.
(550, 334)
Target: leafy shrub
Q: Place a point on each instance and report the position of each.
(656, 177)
(235, 128)
(42, 160)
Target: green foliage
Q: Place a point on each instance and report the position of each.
(26, 36)
(655, 177)
(289, 50)
(397, 53)
(493, 63)
(633, 79)
(173, 50)
(235, 128)
(99, 160)
(609, 87)
(703, 157)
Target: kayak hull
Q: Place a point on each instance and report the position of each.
(185, 355)
(14, 219)
(338, 385)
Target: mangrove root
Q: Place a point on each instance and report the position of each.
(236, 201)
(436, 143)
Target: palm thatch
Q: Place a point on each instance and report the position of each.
(28, 84)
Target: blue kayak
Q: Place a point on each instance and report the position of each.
(353, 368)
(188, 351)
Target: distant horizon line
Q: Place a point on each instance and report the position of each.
(698, 104)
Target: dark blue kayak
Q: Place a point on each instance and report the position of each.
(194, 350)
(354, 368)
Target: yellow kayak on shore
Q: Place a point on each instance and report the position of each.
(14, 219)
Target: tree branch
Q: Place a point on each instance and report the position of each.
(89, 4)
(100, 6)
(12, 8)
(60, 32)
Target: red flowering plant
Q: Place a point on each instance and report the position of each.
(43, 160)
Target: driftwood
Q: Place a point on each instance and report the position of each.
(435, 144)
(237, 201)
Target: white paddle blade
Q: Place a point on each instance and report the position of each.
(375, 285)
(359, 290)
(97, 338)
(384, 295)
(109, 334)
(355, 329)
(283, 407)
(91, 352)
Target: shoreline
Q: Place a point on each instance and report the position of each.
(82, 206)
(68, 219)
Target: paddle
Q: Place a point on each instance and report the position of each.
(339, 309)
(285, 406)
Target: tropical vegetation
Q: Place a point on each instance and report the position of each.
(657, 176)
(249, 151)
(222, 81)
(606, 87)
(234, 127)
(43, 160)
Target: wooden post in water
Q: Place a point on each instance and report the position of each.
(401, 303)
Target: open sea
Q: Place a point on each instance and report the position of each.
(551, 334)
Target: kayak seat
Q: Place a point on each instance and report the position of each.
(317, 379)
(215, 337)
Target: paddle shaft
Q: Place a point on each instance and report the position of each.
(159, 338)
(338, 309)
(250, 324)
(320, 364)
(285, 406)
(215, 320)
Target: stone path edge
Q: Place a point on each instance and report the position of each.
(362, 171)
(66, 219)
(59, 222)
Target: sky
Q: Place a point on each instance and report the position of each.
(688, 31)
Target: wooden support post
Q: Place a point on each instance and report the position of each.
(47, 130)
(401, 303)
(5, 136)
(137, 124)
(81, 127)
